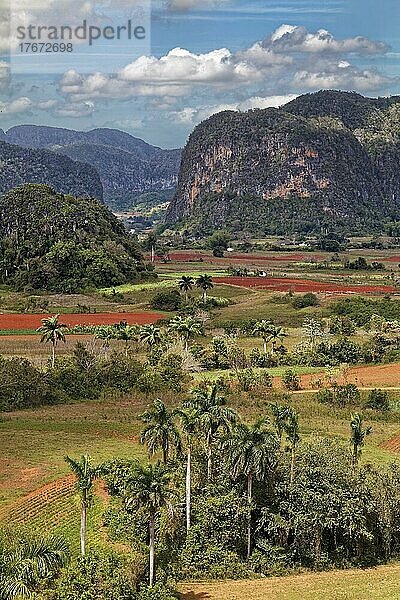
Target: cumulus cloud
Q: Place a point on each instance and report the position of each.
(19, 105)
(193, 116)
(341, 75)
(290, 39)
(291, 59)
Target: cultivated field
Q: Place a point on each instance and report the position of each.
(382, 583)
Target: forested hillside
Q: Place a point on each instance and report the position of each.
(127, 166)
(59, 242)
(23, 165)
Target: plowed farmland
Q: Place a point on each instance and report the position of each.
(283, 284)
(31, 321)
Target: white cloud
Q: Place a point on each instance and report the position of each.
(291, 59)
(76, 110)
(182, 67)
(19, 105)
(341, 75)
(192, 116)
(289, 39)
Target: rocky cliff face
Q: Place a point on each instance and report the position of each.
(270, 170)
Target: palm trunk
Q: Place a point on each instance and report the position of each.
(165, 454)
(209, 456)
(355, 457)
(292, 463)
(53, 355)
(152, 528)
(265, 347)
(205, 296)
(188, 488)
(249, 501)
(83, 529)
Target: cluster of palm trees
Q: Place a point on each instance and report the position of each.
(269, 333)
(187, 283)
(205, 422)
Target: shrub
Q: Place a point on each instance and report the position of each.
(341, 395)
(170, 301)
(378, 400)
(291, 380)
(98, 576)
(24, 386)
(304, 301)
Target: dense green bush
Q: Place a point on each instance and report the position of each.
(24, 386)
(378, 400)
(170, 300)
(306, 300)
(100, 576)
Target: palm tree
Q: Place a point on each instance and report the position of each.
(213, 416)
(186, 284)
(161, 431)
(26, 562)
(252, 454)
(127, 333)
(280, 415)
(205, 283)
(148, 488)
(189, 425)
(150, 335)
(105, 333)
(291, 427)
(52, 331)
(358, 435)
(186, 328)
(263, 329)
(275, 334)
(86, 474)
(312, 330)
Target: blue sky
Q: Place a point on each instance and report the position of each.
(204, 56)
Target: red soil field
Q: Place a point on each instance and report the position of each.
(25, 321)
(186, 256)
(283, 284)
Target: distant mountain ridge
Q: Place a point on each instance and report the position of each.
(127, 165)
(325, 161)
(20, 165)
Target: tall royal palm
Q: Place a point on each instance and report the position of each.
(186, 285)
(85, 473)
(263, 330)
(205, 283)
(52, 331)
(26, 563)
(213, 417)
(276, 334)
(150, 335)
(357, 439)
(186, 327)
(252, 450)
(291, 428)
(149, 488)
(160, 431)
(189, 425)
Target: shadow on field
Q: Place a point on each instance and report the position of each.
(194, 596)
